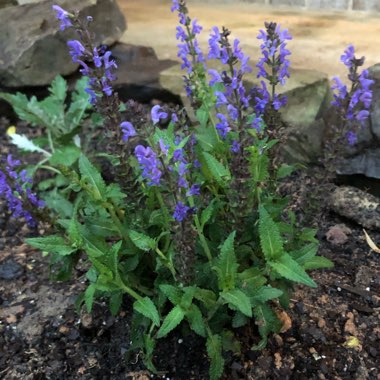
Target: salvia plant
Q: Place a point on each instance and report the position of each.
(352, 102)
(191, 227)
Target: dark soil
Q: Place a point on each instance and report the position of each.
(332, 332)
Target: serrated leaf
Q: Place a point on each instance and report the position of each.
(207, 213)
(239, 320)
(89, 297)
(116, 300)
(171, 321)
(52, 244)
(58, 88)
(172, 293)
(203, 116)
(93, 177)
(267, 322)
(142, 241)
(318, 262)
(205, 296)
(238, 300)
(195, 319)
(66, 155)
(214, 351)
(266, 293)
(291, 270)
(22, 142)
(285, 170)
(305, 253)
(270, 238)
(147, 308)
(218, 171)
(207, 138)
(101, 226)
(226, 264)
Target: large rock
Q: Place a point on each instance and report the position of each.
(356, 205)
(308, 94)
(138, 73)
(33, 50)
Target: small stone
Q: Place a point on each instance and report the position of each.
(10, 270)
(337, 235)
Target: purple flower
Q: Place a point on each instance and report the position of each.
(128, 130)
(181, 211)
(97, 58)
(77, 50)
(215, 77)
(157, 114)
(149, 163)
(235, 148)
(175, 6)
(348, 56)
(351, 138)
(223, 126)
(63, 16)
(164, 148)
(213, 43)
(194, 190)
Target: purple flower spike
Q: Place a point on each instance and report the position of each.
(63, 16)
(149, 163)
(128, 130)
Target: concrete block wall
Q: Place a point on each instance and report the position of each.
(341, 5)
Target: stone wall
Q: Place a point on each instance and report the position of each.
(341, 5)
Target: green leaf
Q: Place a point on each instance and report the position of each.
(266, 293)
(207, 213)
(92, 177)
(226, 265)
(318, 262)
(218, 171)
(214, 351)
(239, 320)
(55, 201)
(238, 300)
(147, 308)
(66, 155)
(89, 297)
(100, 226)
(291, 270)
(142, 241)
(305, 253)
(172, 293)
(171, 321)
(52, 244)
(207, 138)
(284, 171)
(203, 116)
(58, 89)
(267, 322)
(270, 238)
(205, 296)
(195, 318)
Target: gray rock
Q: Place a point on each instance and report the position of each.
(308, 95)
(356, 205)
(138, 73)
(7, 3)
(33, 50)
(366, 163)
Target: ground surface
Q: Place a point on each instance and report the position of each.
(319, 37)
(332, 332)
